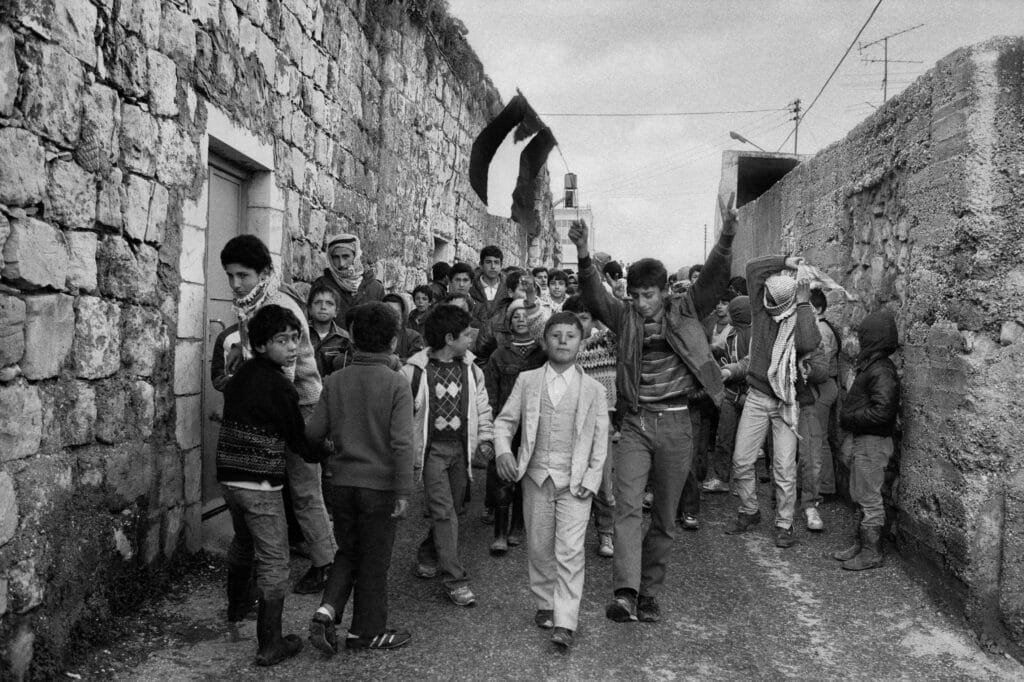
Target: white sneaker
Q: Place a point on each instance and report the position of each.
(607, 547)
(714, 485)
(813, 519)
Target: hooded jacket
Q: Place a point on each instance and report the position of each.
(872, 404)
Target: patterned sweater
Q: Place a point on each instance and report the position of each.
(261, 418)
(598, 359)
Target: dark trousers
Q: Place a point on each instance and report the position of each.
(261, 537)
(506, 496)
(445, 478)
(704, 421)
(365, 533)
(720, 458)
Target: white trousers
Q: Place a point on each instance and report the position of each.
(556, 531)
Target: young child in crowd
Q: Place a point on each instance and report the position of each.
(329, 340)
(869, 413)
(597, 360)
(409, 340)
(261, 419)
(558, 283)
(422, 299)
(729, 357)
(562, 416)
(366, 411)
(540, 276)
(452, 422)
(520, 352)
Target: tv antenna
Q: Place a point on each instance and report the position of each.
(885, 61)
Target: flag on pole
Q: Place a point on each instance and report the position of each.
(518, 115)
(531, 160)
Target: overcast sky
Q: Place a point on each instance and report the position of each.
(651, 181)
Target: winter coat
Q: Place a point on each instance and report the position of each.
(872, 403)
(370, 289)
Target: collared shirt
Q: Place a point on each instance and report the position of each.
(490, 291)
(558, 383)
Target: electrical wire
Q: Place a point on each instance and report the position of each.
(829, 79)
(654, 114)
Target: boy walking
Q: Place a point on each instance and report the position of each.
(261, 419)
(869, 414)
(562, 417)
(664, 364)
(328, 339)
(452, 420)
(366, 411)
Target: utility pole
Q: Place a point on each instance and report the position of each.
(796, 122)
(885, 61)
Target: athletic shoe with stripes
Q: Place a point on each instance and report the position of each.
(389, 639)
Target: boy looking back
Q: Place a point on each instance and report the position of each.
(366, 410)
(261, 419)
(664, 364)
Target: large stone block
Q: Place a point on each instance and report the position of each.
(174, 521)
(22, 169)
(188, 367)
(192, 470)
(191, 309)
(177, 35)
(35, 255)
(188, 428)
(143, 408)
(74, 26)
(49, 332)
(113, 419)
(82, 266)
(171, 482)
(72, 196)
(113, 196)
(177, 156)
(12, 330)
(145, 209)
(97, 345)
(139, 133)
(25, 586)
(128, 68)
(8, 73)
(192, 261)
(52, 92)
(21, 421)
(101, 118)
(126, 272)
(144, 339)
(8, 510)
(141, 17)
(163, 84)
(129, 473)
(74, 411)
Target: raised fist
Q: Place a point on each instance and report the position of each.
(578, 233)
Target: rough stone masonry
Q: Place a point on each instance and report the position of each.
(919, 210)
(367, 109)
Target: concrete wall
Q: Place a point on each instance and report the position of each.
(919, 210)
(357, 116)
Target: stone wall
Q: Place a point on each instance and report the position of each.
(362, 114)
(919, 210)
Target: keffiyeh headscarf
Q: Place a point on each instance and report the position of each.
(780, 302)
(246, 306)
(350, 277)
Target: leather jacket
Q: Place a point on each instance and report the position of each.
(872, 404)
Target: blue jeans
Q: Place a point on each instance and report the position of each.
(815, 452)
(870, 457)
(761, 412)
(365, 533)
(659, 446)
(261, 537)
(445, 479)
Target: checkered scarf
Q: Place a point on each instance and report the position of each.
(782, 371)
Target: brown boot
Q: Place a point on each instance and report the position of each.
(870, 552)
(273, 647)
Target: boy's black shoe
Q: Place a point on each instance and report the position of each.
(784, 537)
(647, 609)
(322, 634)
(314, 581)
(562, 637)
(545, 619)
(623, 609)
(389, 639)
(743, 523)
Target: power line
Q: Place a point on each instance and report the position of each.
(829, 79)
(653, 114)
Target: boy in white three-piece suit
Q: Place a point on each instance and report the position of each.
(563, 415)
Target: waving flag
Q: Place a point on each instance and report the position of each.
(518, 115)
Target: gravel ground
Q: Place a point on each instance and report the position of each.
(734, 608)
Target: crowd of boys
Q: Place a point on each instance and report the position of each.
(338, 411)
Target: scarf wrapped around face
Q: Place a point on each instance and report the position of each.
(780, 302)
(350, 277)
(246, 306)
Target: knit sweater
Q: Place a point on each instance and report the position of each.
(261, 417)
(597, 358)
(366, 410)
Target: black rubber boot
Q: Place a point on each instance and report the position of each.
(500, 545)
(870, 552)
(854, 549)
(241, 592)
(273, 647)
